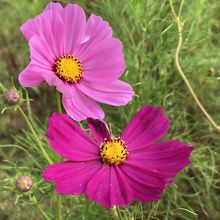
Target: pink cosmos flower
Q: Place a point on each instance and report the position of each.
(115, 171)
(81, 58)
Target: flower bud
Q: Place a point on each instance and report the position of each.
(23, 183)
(11, 97)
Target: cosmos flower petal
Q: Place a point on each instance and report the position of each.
(39, 53)
(104, 62)
(69, 140)
(54, 6)
(115, 93)
(148, 125)
(30, 76)
(96, 30)
(31, 28)
(147, 186)
(98, 188)
(99, 129)
(52, 31)
(166, 158)
(120, 192)
(75, 25)
(80, 107)
(71, 177)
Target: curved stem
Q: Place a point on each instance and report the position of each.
(35, 135)
(180, 41)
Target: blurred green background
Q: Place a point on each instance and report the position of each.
(150, 37)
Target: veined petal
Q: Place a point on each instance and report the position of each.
(98, 188)
(148, 125)
(31, 76)
(116, 93)
(80, 107)
(104, 62)
(70, 177)
(69, 140)
(96, 30)
(74, 27)
(166, 158)
(54, 6)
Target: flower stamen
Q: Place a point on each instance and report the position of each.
(69, 68)
(114, 151)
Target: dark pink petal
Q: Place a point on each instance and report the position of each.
(147, 185)
(81, 107)
(74, 19)
(120, 192)
(115, 93)
(166, 158)
(69, 140)
(99, 129)
(104, 62)
(148, 125)
(98, 188)
(31, 76)
(70, 177)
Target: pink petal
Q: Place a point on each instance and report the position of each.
(69, 140)
(41, 55)
(99, 129)
(30, 76)
(30, 28)
(96, 30)
(98, 188)
(52, 32)
(54, 6)
(70, 177)
(166, 158)
(115, 93)
(148, 125)
(74, 27)
(80, 107)
(104, 62)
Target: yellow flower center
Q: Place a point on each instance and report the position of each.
(113, 152)
(69, 68)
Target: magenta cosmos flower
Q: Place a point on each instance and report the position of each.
(115, 171)
(81, 58)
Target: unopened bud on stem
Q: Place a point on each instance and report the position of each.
(11, 97)
(23, 183)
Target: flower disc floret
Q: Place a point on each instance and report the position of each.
(114, 151)
(69, 68)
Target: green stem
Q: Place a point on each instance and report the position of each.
(35, 135)
(117, 213)
(58, 207)
(179, 24)
(43, 213)
(58, 197)
(59, 106)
